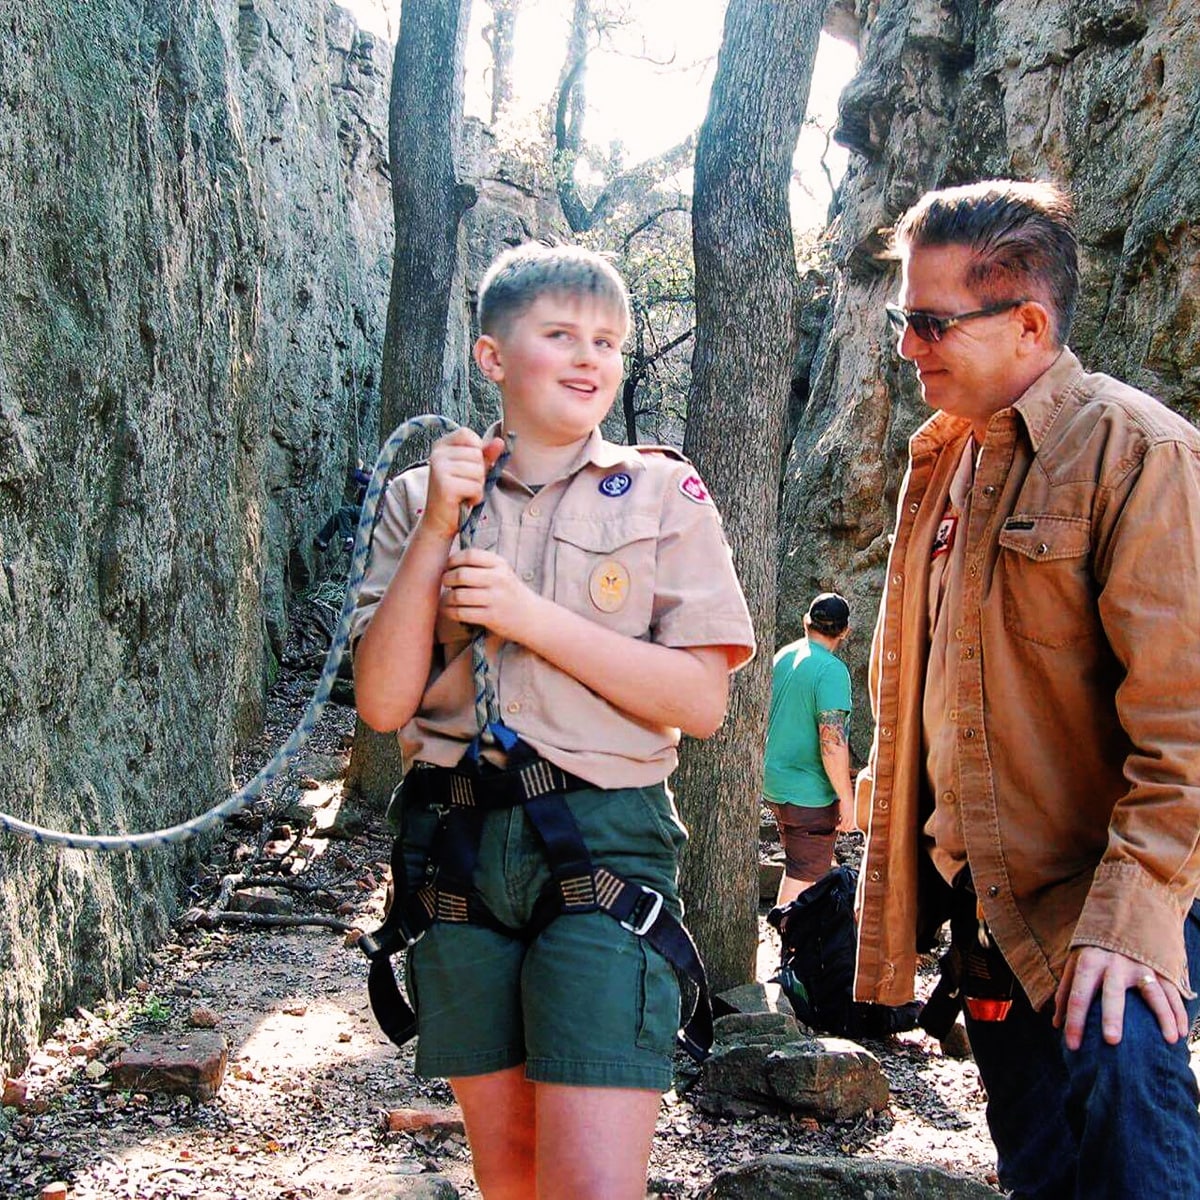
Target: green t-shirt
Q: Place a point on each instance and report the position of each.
(807, 680)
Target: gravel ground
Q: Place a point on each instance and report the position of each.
(309, 1078)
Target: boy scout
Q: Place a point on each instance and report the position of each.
(614, 619)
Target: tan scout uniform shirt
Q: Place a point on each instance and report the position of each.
(628, 538)
(1077, 692)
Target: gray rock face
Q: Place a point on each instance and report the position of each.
(784, 1176)
(195, 234)
(1102, 95)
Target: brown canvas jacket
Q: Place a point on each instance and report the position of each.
(1078, 687)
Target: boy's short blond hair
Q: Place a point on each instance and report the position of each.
(522, 275)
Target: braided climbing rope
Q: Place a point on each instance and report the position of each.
(486, 709)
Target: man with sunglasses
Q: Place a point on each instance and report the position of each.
(1035, 680)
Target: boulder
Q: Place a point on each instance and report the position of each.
(191, 1065)
(788, 1176)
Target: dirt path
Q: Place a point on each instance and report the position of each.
(301, 1113)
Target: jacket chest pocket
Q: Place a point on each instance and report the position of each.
(605, 570)
(1047, 588)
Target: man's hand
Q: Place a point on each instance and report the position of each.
(480, 588)
(458, 467)
(1091, 969)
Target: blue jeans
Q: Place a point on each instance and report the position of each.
(1097, 1123)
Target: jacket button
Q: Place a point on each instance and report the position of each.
(914, 507)
(993, 891)
(969, 652)
(990, 490)
(891, 656)
(875, 877)
(885, 731)
(882, 806)
(968, 734)
(897, 578)
(1043, 548)
(949, 797)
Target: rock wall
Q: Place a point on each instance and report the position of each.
(1102, 95)
(195, 239)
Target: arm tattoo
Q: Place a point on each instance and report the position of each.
(833, 728)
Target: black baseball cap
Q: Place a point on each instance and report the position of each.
(829, 614)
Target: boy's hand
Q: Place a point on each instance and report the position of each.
(480, 588)
(458, 467)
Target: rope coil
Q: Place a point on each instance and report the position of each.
(486, 708)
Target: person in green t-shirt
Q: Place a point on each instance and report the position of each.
(807, 771)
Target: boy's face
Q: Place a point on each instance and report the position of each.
(558, 366)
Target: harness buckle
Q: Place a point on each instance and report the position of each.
(645, 912)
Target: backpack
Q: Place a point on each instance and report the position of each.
(816, 968)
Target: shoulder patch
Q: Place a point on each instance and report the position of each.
(692, 486)
(666, 451)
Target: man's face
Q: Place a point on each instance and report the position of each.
(558, 366)
(974, 371)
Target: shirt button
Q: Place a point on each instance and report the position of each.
(993, 891)
(527, 575)
(512, 706)
(534, 511)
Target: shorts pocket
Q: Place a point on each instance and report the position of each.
(658, 1002)
(604, 570)
(1047, 589)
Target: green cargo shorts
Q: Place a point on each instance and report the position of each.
(586, 1002)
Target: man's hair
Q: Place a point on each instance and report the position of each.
(1020, 235)
(522, 275)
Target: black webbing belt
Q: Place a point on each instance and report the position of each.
(462, 795)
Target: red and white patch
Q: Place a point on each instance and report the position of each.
(692, 486)
(943, 543)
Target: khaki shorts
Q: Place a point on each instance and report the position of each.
(808, 836)
(586, 1002)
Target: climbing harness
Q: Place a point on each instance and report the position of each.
(316, 706)
(460, 797)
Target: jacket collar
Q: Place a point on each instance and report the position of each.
(1038, 407)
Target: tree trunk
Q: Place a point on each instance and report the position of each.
(501, 36)
(746, 330)
(425, 119)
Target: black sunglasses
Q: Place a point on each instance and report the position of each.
(931, 328)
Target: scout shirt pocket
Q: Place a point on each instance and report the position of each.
(604, 570)
(1046, 582)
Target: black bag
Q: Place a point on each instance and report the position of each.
(816, 968)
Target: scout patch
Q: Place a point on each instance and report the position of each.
(616, 484)
(692, 486)
(943, 542)
(608, 586)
